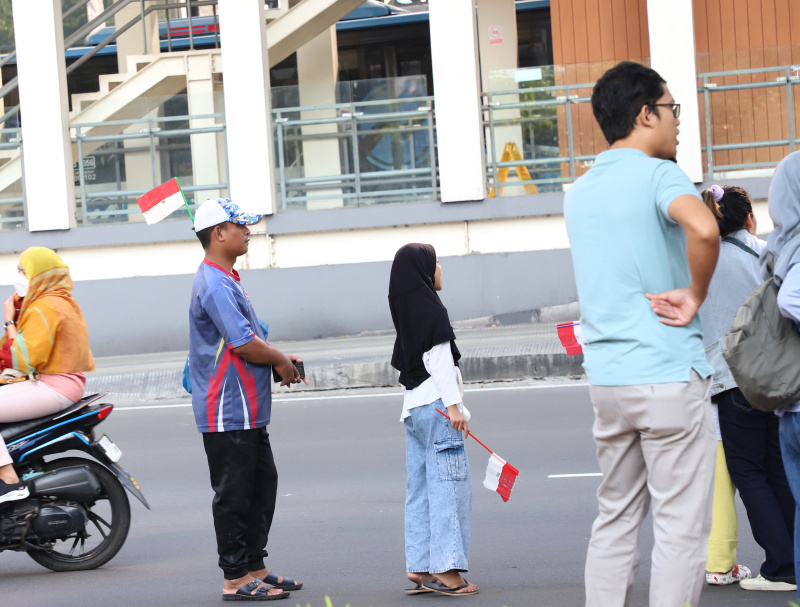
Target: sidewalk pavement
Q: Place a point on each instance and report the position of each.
(490, 353)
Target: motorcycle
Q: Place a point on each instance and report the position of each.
(77, 515)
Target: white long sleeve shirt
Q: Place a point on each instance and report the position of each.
(442, 382)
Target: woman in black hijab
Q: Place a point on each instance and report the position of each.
(439, 489)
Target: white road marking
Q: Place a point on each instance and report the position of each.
(292, 399)
(574, 475)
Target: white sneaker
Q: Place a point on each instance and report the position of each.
(12, 492)
(762, 583)
(738, 573)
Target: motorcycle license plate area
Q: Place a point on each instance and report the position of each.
(112, 451)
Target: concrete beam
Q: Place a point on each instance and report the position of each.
(303, 23)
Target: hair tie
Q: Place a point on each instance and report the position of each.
(718, 192)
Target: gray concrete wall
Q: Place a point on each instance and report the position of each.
(150, 314)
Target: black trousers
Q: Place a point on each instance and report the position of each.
(753, 452)
(245, 483)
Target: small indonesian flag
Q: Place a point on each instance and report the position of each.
(161, 201)
(500, 476)
(571, 337)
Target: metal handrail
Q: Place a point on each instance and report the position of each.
(787, 81)
(564, 96)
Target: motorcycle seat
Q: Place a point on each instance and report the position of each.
(14, 429)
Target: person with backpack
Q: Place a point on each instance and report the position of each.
(781, 259)
(749, 437)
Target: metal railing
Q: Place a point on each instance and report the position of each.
(536, 105)
(552, 167)
(12, 204)
(95, 204)
(786, 82)
(355, 131)
(362, 134)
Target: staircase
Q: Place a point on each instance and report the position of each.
(164, 75)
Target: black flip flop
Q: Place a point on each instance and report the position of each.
(245, 593)
(286, 584)
(447, 591)
(419, 589)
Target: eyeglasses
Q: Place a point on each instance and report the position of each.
(676, 107)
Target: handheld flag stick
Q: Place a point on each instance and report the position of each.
(472, 435)
(188, 210)
(500, 475)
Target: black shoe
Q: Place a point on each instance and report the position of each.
(15, 491)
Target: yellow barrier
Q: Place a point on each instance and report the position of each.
(511, 152)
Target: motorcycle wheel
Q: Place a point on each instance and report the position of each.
(109, 518)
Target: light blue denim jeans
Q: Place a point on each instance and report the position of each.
(438, 495)
(789, 432)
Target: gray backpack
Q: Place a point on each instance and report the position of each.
(764, 351)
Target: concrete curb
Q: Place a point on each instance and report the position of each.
(163, 385)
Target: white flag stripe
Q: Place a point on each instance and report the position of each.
(164, 208)
(493, 472)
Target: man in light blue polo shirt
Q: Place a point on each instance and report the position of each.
(644, 248)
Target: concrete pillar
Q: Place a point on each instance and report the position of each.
(457, 86)
(317, 71)
(46, 146)
(672, 54)
(497, 41)
(248, 112)
(205, 154)
(132, 42)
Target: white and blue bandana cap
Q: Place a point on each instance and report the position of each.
(217, 210)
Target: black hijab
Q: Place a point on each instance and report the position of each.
(418, 314)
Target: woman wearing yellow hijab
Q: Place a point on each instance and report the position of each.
(48, 341)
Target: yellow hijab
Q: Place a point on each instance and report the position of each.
(52, 335)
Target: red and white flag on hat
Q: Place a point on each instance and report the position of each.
(161, 201)
(500, 475)
(571, 337)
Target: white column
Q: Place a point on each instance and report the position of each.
(247, 104)
(672, 55)
(457, 87)
(205, 154)
(46, 146)
(317, 73)
(499, 56)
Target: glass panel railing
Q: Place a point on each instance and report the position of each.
(539, 128)
(354, 143)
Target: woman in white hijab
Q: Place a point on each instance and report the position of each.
(783, 255)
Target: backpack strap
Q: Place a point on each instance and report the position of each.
(741, 245)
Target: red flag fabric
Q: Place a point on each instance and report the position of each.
(571, 337)
(161, 201)
(500, 476)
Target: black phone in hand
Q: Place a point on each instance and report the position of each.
(299, 366)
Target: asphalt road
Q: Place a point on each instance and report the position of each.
(339, 522)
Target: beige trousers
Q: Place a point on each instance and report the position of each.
(655, 442)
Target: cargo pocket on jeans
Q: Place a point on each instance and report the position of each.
(451, 459)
